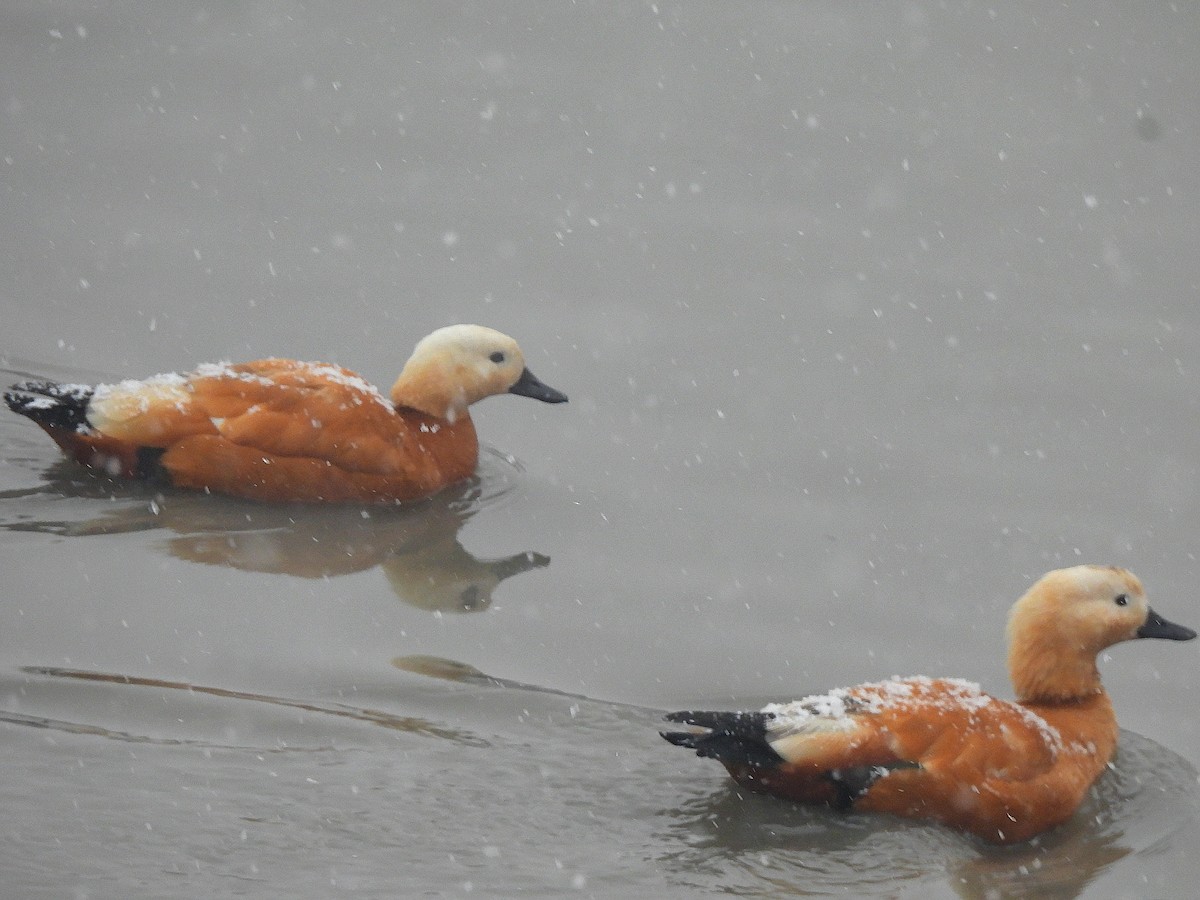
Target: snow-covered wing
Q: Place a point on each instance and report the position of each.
(940, 723)
(297, 409)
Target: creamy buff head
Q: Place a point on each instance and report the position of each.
(454, 367)
(1063, 621)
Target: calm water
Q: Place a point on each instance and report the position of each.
(868, 314)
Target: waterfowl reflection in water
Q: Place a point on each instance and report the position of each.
(417, 546)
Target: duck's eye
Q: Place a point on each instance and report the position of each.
(497, 357)
(1122, 599)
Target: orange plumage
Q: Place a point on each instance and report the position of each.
(940, 748)
(279, 429)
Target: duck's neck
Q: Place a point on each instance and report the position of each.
(1044, 673)
(426, 387)
(454, 445)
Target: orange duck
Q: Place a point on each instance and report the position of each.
(279, 429)
(939, 748)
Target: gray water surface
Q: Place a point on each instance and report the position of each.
(869, 314)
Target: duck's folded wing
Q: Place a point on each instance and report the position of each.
(951, 728)
(987, 766)
(293, 409)
(280, 407)
(835, 747)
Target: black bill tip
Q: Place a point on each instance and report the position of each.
(528, 385)
(1158, 627)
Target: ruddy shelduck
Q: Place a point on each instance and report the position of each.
(280, 429)
(941, 749)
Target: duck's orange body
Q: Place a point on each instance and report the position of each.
(279, 429)
(941, 749)
(1000, 770)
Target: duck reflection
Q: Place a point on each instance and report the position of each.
(417, 546)
(744, 841)
(1063, 867)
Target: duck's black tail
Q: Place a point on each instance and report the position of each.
(51, 405)
(736, 738)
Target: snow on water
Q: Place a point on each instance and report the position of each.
(873, 497)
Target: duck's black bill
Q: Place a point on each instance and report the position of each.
(1158, 627)
(529, 386)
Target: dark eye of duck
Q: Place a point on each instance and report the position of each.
(1122, 599)
(497, 357)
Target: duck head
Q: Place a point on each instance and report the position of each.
(458, 365)
(1069, 615)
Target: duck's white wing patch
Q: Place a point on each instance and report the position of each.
(112, 405)
(812, 715)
